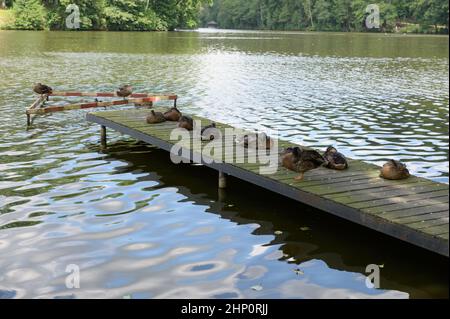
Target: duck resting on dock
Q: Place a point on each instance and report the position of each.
(125, 91)
(301, 160)
(173, 115)
(42, 89)
(394, 170)
(210, 132)
(255, 141)
(335, 159)
(155, 117)
(186, 122)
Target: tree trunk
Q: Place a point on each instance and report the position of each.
(3, 4)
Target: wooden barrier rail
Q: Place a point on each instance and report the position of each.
(38, 107)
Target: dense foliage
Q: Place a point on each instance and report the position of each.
(320, 15)
(121, 15)
(328, 15)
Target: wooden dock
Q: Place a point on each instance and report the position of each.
(415, 210)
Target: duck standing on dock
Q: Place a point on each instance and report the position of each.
(255, 141)
(394, 170)
(210, 132)
(186, 122)
(125, 91)
(42, 89)
(301, 160)
(335, 159)
(155, 117)
(173, 115)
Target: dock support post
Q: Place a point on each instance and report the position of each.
(222, 180)
(175, 103)
(103, 138)
(28, 120)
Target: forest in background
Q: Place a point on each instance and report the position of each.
(417, 16)
(424, 16)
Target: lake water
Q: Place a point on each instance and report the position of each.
(138, 226)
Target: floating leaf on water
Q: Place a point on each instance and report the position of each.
(278, 232)
(230, 205)
(305, 228)
(298, 272)
(257, 288)
(381, 266)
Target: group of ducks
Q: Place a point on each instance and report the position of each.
(302, 160)
(297, 159)
(124, 91)
(208, 133)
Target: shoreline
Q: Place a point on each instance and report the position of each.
(202, 30)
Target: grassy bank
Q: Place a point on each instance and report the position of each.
(6, 18)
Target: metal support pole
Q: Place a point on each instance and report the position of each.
(28, 120)
(175, 103)
(222, 180)
(103, 138)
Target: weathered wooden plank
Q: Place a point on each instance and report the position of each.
(369, 186)
(429, 223)
(374, 201)
(416, 211)
(436, 230)
(412, 204)
(394, 190)
(420, 217)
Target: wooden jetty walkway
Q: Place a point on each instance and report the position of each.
(415, 210)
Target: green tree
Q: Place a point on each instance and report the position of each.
(29, 15)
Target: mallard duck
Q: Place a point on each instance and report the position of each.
(155, 117)
(173, 115)
(209, 132)
(40, 88)
(125, 91)
(255, 141)
(301, 160)
(186, 122)
(335, 159)
(394, 170)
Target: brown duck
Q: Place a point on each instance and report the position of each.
(40, 88)
(256, 141)
(125, 91)
(173, 115)
(155, 117)
(301, 160)
(186, 122)
(394, 170)
(335, 159)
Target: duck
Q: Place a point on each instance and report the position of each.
(186, 122)
(209, 132)
(155, 117)
(255, 141)
(42, 89)
(301, 160)
(173, 115)
(125, 91)
(394, 170)
(335, 159)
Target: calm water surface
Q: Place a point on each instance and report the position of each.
(140, 227)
